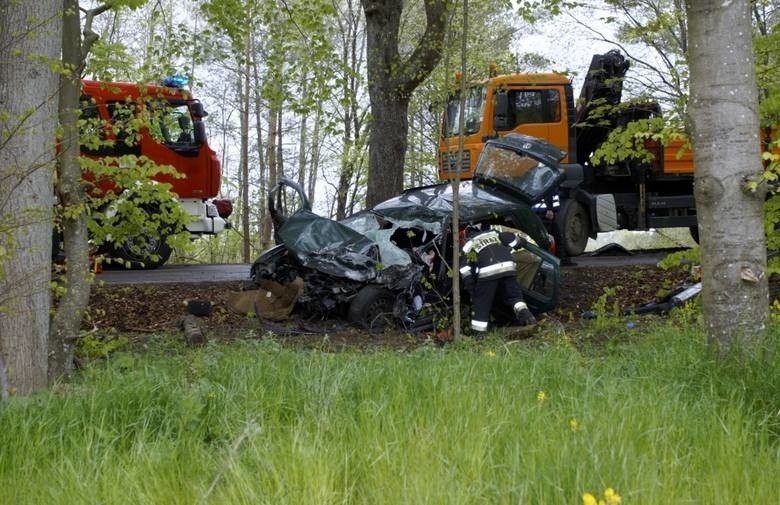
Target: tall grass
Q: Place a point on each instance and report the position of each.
(654, 416)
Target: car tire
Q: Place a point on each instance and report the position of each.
(372, 308)
(153, 254)
(573, 223)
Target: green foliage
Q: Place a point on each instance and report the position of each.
(680, 259)
(110, 61)
(531, 10)
(7, 245)
(652, 415)
(629, 142)
(605, 311)
(92, 347)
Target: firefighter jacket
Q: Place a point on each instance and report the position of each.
(488, 254)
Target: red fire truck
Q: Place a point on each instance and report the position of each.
(171, 132)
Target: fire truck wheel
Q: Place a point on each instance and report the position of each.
(372, 308)
(147, 254)
(573, 223)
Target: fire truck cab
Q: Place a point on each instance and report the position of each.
(171, 132)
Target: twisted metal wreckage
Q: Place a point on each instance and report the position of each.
(390, 264)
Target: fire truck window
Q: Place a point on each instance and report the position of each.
(171, 125)
(534, 106)
(92, 129)
(125, 127)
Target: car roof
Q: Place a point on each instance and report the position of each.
(437, 202)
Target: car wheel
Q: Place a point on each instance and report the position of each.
(146, 254)
(573, 223)
(372, 308)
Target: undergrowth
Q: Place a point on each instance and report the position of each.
(643, 411)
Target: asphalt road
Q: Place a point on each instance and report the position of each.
(179, 274)
(183, 274)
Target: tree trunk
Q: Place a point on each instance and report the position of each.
(265, 237)
(391, 81)
(70, 310)
(271, 160)
(245, 91)
(303, 139)
(387, 147)
(314, 161)
(29, 39)
(724, 114)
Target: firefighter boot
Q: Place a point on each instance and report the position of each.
(523, 315)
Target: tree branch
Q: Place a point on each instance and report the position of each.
(425, 56)
(90, 37)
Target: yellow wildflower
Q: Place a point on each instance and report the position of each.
(611, 496)
(574, 425)
(490, 354)
(589, 499)
(541, 396)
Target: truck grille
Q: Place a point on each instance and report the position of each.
(450, 161)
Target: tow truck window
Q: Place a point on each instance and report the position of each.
(534, 106)
(475, 101)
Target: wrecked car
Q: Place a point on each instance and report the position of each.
(393, 262)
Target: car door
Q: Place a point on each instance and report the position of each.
(284, 200)
(521, 167)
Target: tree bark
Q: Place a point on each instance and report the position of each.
(314, 161)
(271, 158)
(265, 236)
(724, 115)
(391, 81)
(29, 39)
(69, 312)
(245, 82)
(351, 58)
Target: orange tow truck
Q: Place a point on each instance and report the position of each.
(630, 194)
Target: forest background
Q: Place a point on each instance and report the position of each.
(288, 81)
(285, 85)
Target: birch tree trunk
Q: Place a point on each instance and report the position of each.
(29, 40)
(724, 114)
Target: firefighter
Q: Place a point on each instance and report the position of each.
(490, 271)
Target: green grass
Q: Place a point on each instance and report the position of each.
(656, 417)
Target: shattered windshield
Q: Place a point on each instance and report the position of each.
(516, 172)
(475, 102)
(384, 234)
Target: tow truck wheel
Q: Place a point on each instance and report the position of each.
(146, 254)
(372, 308)
(573, 223)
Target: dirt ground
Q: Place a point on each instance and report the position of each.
(155, 308)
